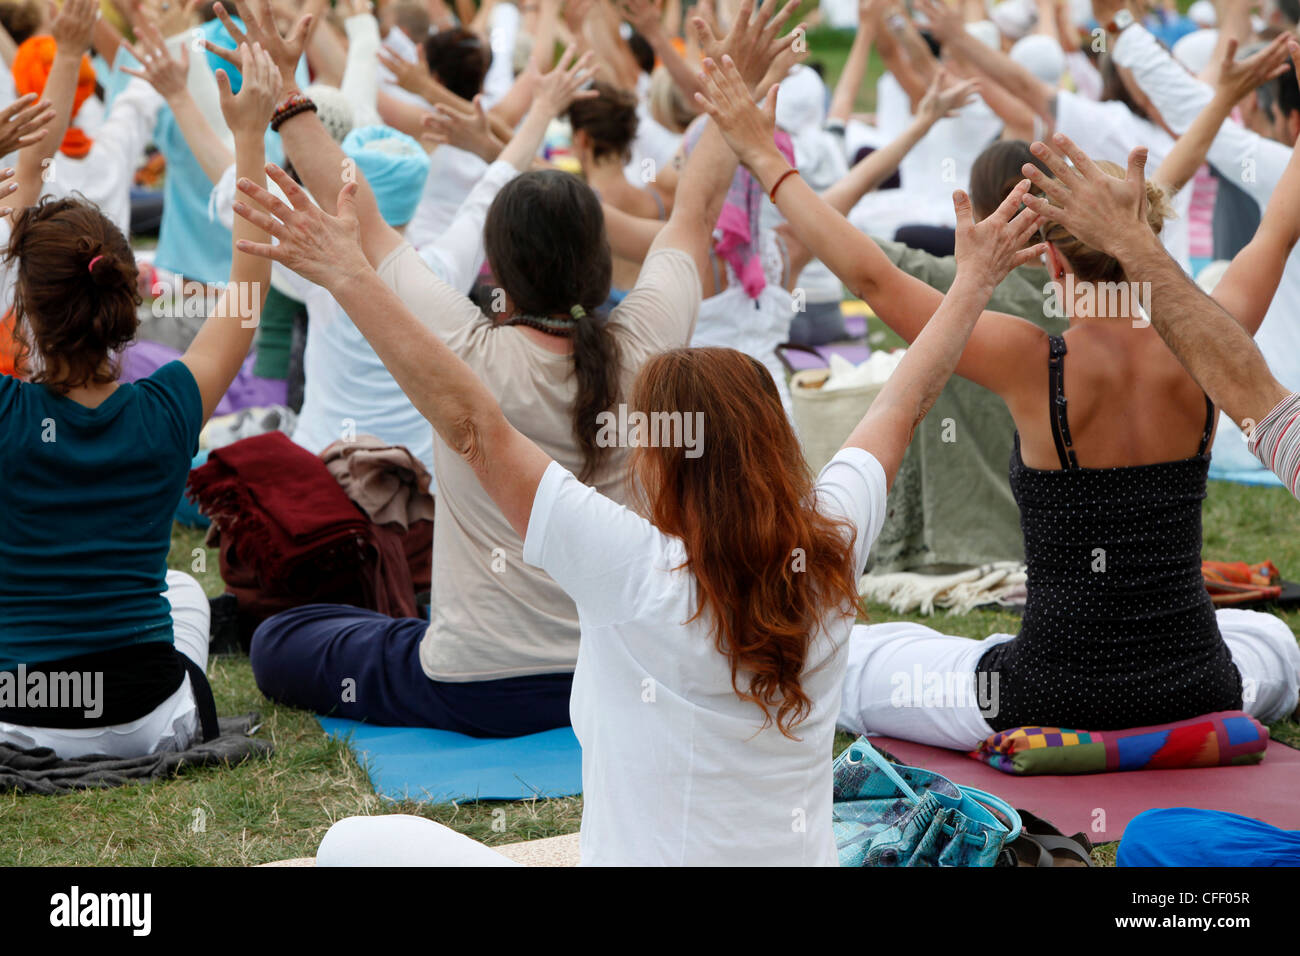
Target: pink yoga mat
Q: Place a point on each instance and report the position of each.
(1268, 791)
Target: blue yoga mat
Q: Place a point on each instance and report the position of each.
(438, 766)
(1258, 476)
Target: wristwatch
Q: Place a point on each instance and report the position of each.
(1122, 20)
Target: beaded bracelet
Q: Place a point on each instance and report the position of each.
(292, 105)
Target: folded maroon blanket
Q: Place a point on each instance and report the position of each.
(289, 535)
(281, 508)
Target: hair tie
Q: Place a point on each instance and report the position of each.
(578, 312)
(91, 266)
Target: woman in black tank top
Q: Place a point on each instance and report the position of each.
(1118, 628)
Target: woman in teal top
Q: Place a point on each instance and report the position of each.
(91, 620)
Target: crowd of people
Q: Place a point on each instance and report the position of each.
(481, 233)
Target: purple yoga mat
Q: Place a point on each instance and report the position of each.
(142, 359)
(1266, 791)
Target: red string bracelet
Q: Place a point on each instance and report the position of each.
(777, 185)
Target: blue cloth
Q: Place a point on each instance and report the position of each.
(1183, 836)
(89, 499)
(344, 661)
(190, 242)
(437, 766)
(394, 165)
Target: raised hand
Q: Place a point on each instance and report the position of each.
(558, 89)
(472, 132)
(645, 16)
(249, 111)
(166, 74)
(989, 249)
(411, 76)
(260, 28)
(8, 187)
(1239, 78)
(747, 129)
(946, 22)
(73, 24)
(1101, 210)
(170, 16)
(321, 248)
(753, 42)
(22, 123)
(944, 97)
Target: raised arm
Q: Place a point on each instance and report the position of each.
(326, 250)
(904, 303)
(948, 26)
(318, 160)
(222, 344)
(647, 18)
(23, 124)
(942, 99)
(1234, 80)
(855, 65)
(458, 253)
(1246, 290)
(1110, 214)
(169, 76)
(71, 29)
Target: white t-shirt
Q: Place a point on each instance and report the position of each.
(677, 770)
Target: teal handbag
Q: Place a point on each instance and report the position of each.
(891, 815)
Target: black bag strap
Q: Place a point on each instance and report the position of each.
(207, 705)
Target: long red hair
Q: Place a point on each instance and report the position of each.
(769, 566)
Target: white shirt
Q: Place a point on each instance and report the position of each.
(677, 770)
(104, 175)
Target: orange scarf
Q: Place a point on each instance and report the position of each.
(32, 64)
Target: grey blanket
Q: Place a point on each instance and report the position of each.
(41, 771)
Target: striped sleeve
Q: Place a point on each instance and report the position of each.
(1275, 441)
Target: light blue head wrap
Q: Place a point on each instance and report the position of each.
(395, 166)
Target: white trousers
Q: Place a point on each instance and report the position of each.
(891, 666)
(172, 725)
(399, 839)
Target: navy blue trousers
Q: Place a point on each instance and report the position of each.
(343, 661)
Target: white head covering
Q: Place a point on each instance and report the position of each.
(1203, 14)
(1014, 18)
(1041, 56)
(1194, 50)
(801, 102)
(986, 32)
(333, 109)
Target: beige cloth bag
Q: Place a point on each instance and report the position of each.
(825, 418)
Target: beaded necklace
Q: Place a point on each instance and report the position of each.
(563, 325)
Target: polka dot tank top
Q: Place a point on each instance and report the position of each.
(1118, 628)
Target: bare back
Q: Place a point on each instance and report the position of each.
(1130, 401)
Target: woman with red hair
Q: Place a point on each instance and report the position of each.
(713, 617)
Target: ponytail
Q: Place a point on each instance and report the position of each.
(595, 366)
